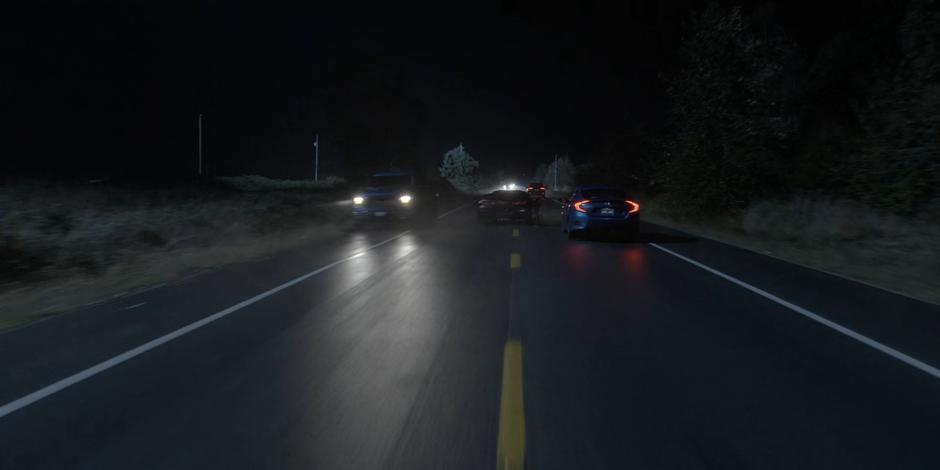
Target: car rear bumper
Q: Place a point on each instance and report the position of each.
(585, 223)
(516, 213)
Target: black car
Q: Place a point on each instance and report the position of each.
(509, 206)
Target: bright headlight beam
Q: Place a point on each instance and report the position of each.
(405, 199)
(358, 200)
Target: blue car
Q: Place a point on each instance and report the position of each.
(600, 209)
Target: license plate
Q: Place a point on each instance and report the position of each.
(379, 213)
(608, 211)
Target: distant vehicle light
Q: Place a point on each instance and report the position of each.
(577, 205)
(405, 199)
(357, 200)
(634, 207)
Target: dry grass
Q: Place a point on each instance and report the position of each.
(261, 183)
(841, 237)
(66, 246)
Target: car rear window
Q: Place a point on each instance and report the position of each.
(511, 195)
(604, 194)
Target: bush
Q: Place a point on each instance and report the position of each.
(60, 231)
(459, 168)
(732, 125)
(897, 166)
(261, 183)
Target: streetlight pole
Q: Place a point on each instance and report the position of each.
(556, 172)
(316, 164)
(199, 144)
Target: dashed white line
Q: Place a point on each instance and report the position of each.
(923, 366)
(135, 306)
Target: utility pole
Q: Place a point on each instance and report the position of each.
(316, 164)
(556, 172)
(199, 144)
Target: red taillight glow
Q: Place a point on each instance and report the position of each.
(577, 205)
(519, 203)
(634, 207)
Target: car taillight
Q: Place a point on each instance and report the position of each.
(634, 207)
(577, 205)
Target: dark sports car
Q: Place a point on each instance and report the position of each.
(509, 206)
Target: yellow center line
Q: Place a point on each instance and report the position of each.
(510, 451)
(515, 260)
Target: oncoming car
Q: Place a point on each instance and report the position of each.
(593, 209)
(395, 195)
(509, 206)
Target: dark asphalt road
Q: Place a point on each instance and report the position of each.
(632, 358)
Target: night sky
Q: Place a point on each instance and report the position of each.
(113, 87)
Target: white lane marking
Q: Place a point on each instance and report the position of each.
(135, 306)
(48, 390)
(806, 313)
(451, 211)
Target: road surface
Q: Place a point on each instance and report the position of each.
(464, 346)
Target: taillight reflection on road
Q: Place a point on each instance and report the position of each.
(577, 258)
(634, 261)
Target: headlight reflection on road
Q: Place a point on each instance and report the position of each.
(405, 245)
(366, 262)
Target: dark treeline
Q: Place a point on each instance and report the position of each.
(756, 113)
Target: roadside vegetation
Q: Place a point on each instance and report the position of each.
(824, 154)
(66, 245)
(840, 237)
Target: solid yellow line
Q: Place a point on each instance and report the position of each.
(510, 451)
(515, 232)
(515, 260)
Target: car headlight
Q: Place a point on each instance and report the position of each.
(405, 198)
(358, 200)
